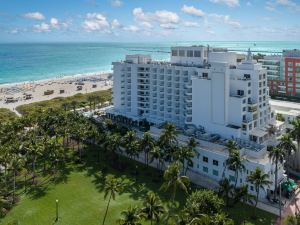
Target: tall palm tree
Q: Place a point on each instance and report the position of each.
(242, 194)
(260, 181)
(131, 216)
(235, 162)
(295, 132)
(185, 155)
(152, 208)
(112, 187)
(286, 143)
(156, 154)
(225, 189)
(173, 180)
(168, 140)
(276, 155)
(146, 144)
(16, 164)
(130, 143)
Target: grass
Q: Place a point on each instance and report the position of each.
(6, 115)
(81, 198)
(80, 99)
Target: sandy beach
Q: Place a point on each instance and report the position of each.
(13, 95)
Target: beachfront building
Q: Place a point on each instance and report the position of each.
(209, 96)
(283, 73)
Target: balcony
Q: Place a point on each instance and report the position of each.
(252, 108)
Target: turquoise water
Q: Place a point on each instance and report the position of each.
(28, 62)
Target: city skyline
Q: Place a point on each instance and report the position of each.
(141, 20)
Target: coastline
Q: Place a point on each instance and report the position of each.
(16, 94)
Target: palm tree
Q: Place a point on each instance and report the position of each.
(112, 187)
(173, 180)
(130, 143)
(16, 164)
(235, 162)
(146, 144)
(286, 143)
(276, 155)
(156, 154)
(73, 105)
(168, 140)
(242, 194)
(225, 189)
(260, 180)
(65, 105)
(295, 133)
(131, 216)
(152, 208)
(185, 155)
(232, 145)
(90, 99)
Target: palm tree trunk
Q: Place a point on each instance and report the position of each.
(14, 187)
(256, 201)
(106, 210)
(276, 177)
(236, 178)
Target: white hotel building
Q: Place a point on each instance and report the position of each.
(209, 95)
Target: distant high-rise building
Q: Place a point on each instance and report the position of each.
(283, 73)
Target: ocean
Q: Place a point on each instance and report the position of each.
(39, 61)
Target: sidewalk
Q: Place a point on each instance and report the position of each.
(291, 209)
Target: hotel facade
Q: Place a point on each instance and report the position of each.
(207, 95)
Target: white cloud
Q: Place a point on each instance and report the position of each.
(190, 24)
(192, 11)
(131, 28)
(163, 17)
(230, 3)
(34, 16)
(146, 25)
(96, 22)
(43, 27)
(226, 19)
(289, 4)
(115, 24)
(168, 26)
(116, 3)
(54, 23)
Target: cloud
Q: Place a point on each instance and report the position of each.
(168, 26)
(56, 24)
(192, 11)
(131, 28)
(163, 17)
(34, 16)
(96, 22)
(115, 24)
(230, 3)
(225, 19)
(116, 3)
(190, 24)
(146, 25)
(289, 4)
(249, 4)
(43, 27)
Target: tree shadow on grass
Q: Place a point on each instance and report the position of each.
(37, 192)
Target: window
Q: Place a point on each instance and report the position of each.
(181, 53)
(290, 63)
(251, 188)
(205, 169)
(215, 162)
(190, 53)
(232, 178)
(249, 84)
(174, 53)
(244, 109)
(205, 159)
(197, 54)
(215, 172)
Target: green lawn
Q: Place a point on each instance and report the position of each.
(81, 199)
(6, 115)
(81, 99)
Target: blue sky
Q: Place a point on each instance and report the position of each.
(148, 20)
